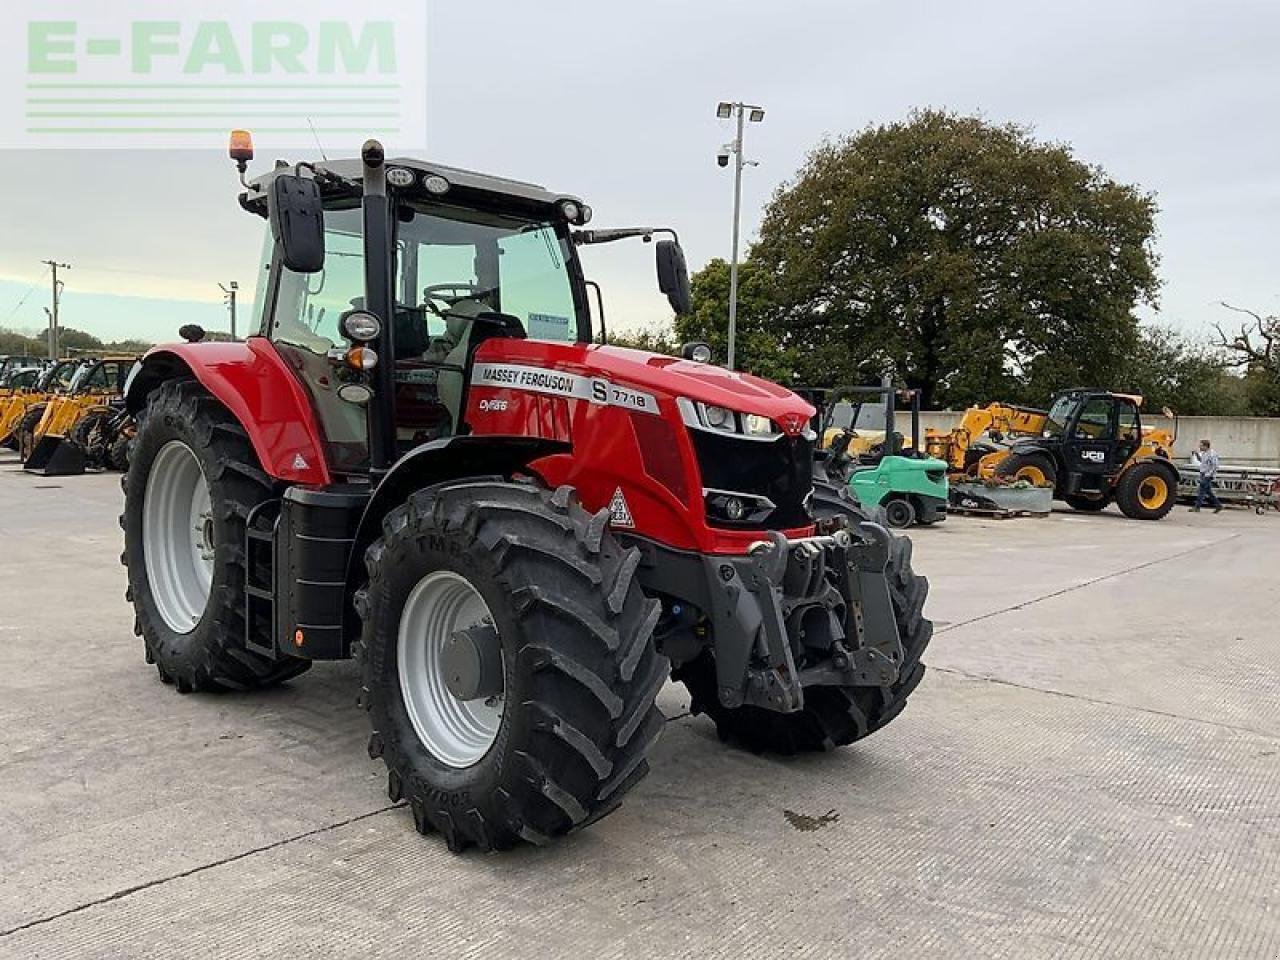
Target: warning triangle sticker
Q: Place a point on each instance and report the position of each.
(619, 512)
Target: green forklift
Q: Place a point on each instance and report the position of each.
(861, 447)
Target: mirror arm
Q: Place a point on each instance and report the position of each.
(582, 237)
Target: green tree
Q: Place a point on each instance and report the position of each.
(762, 345)
(966, 258)
(1170, 370)
(654, 341)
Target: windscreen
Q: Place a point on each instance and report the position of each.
(454, 263)
(1055, 423)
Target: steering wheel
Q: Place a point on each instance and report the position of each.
(448, 294)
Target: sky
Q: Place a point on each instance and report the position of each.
(615, 102)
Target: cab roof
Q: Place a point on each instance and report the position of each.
(352, 170)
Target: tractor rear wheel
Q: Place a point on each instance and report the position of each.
(27, 431)
(508, 662)
(832, 716)
(1036, 468)
(1146, 491)
(193, 481)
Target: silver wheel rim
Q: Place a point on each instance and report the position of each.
(177, 536)
(457, 732)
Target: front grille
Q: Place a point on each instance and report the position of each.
(780, 471)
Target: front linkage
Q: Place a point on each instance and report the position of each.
(789, 614)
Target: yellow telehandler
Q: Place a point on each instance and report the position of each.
(1089, 446)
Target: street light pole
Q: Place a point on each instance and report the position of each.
(230, 298)
(741, 112)
(53, 314)
(733, 264)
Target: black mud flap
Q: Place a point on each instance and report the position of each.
(55, 457)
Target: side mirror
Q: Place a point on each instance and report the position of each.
(673, 276)
(297, 222)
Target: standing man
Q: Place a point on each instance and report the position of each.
(1207, 460)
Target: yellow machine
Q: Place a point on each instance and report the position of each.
(1090, 447)
(53, 450)
(52, 380)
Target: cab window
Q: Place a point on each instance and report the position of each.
(107, 376)
(308, 306)
(1094, 422)
(303, 322)
(1127, 421)
(1055, 424)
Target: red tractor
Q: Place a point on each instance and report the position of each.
(421, 460)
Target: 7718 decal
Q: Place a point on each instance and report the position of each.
(560, 384)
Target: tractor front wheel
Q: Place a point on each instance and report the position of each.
(1146, 491)
(193, 481)
(508, 662)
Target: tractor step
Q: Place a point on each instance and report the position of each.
(296, 555)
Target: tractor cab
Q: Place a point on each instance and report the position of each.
(469, 258)
(1096, 431)
(19, 380)
(12, 364)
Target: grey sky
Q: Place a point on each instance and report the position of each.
(616, 102)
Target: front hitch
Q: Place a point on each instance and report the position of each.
(815, 611)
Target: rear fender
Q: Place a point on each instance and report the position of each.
(455, 458)
(252, 381)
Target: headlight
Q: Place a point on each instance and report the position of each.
(718, 418)
(435, 184)
(709, 417)
(359, 326)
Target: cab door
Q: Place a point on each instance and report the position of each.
(1089, 448)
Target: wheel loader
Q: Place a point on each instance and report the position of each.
(58, 441)
(54, 379)
(1090, 447)
(423, 461)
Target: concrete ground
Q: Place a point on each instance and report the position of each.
(1090, 769)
